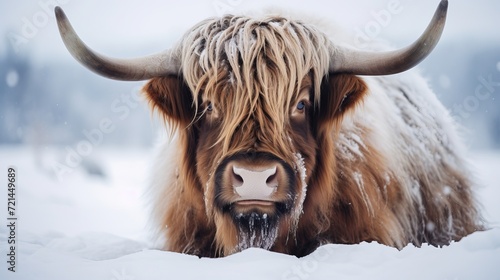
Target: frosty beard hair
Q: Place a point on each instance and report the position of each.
(256, 230)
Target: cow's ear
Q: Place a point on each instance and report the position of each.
(340, 93)
(172, 98)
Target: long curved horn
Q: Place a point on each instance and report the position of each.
(137, 69)
(344, 60)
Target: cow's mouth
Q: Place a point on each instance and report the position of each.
(244, 207)
(254, 202)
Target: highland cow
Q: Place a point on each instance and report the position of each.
(285, 138)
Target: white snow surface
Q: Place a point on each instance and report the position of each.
(89, 227)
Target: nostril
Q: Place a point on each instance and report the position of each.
(272, 180)
(237, 179)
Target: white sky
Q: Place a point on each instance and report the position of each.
(129, 28)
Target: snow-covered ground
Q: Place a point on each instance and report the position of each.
(93, 227)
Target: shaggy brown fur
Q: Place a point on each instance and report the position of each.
(238, 93)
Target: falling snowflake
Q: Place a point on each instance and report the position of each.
(444, 81)
(447, 190)
(12, 78)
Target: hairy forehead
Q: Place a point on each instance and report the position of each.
(250, 56)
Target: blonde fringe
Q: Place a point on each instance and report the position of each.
(254, 67)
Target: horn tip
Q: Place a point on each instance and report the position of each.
(58, 10)
(59, 13)
(443, 4)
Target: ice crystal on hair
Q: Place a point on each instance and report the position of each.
(301, 196)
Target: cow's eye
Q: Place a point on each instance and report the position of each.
(210, 110)
(301, 106)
